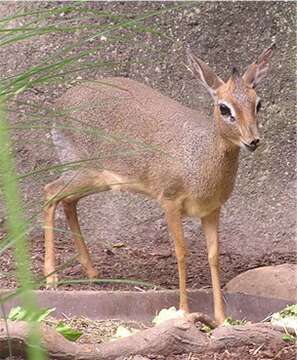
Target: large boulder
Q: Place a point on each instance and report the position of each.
(270, 281)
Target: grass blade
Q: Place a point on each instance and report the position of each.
(17, 230)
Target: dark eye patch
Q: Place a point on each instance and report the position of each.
(225, 111)
(259, 106)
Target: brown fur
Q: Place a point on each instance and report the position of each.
(179, 153)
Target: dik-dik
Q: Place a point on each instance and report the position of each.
(129, 137)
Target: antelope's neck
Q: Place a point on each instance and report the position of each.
(225, 162)
(216, 178)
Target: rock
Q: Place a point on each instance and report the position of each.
(270, 281)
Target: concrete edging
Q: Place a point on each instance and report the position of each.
(142, 306)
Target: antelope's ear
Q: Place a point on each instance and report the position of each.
(257, 71)
(204, 73)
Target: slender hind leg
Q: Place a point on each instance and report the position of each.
(83, 252)
(49, 221)
(81, 184)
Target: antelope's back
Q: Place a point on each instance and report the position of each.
(126, 127)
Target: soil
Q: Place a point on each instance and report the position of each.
(102, 331)
(243, 353)
(96, 332)
(128, 239)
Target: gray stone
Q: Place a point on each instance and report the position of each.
(269, 281)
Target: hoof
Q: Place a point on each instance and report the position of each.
(219, 320)
(184, 308)
(52, 282)
(92, 274)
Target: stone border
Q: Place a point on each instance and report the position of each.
(142, 306)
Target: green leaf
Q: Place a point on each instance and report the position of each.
(290, 310)
(230, 322)
(206, 329)
(288, 338)
(42, 314)
(17, 314)
(20, 314)
(69, 333)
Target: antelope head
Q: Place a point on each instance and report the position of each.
(236, 104)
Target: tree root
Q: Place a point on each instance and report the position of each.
(175, 336)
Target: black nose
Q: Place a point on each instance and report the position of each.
(253, 144)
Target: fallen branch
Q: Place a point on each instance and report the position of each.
(173, 336)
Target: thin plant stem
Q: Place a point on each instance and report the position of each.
(18, 230)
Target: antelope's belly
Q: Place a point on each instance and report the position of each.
(194, 207)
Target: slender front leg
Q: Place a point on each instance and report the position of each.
(83, 252)
(210, 224)
(173, 217)
(49, 260)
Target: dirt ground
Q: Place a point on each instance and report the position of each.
(288, 353)
(104, 330)
(96, 332)
(244, 353)
(128, 236)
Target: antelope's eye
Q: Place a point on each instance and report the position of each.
(225, 111)
(259, 106)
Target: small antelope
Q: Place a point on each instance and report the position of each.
(181, 158)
